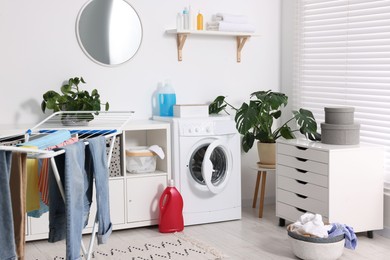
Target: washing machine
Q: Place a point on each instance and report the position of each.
(206, 167)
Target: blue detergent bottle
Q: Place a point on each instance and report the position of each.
(166, 99)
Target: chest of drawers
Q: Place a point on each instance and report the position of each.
(342, 183)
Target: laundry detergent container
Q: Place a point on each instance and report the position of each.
(339, 115)
(340, 134)
(140, 159)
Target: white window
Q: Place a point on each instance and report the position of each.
(343, 58)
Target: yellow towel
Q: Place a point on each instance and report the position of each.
(32, 193)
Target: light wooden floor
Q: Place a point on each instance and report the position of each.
(249, 238)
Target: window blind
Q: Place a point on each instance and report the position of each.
(342, 57)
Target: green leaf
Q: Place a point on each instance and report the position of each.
(247, 141)
(306, 121)
(65, 89)
(51, 104)
(217, 105)
(286, 132)
(50, 94)
(94, 92)
(107, 106)
(82, 80)
(43, 106)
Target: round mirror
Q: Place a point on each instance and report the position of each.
(109, 31)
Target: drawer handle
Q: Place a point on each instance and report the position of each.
(301, 196)
(301, 210)
(299, 170)
(301, 148)
(301, 182)
(301, 159)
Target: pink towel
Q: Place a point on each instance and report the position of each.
(43, 180)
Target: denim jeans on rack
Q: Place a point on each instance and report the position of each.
(68, 221)
(96, 163)
(7, 239)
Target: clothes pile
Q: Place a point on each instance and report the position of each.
(312, 225)
(230, 23)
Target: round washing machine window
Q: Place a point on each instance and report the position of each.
(219, 160)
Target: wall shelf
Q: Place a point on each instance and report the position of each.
(241, 38)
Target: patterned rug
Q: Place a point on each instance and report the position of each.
(175, 246)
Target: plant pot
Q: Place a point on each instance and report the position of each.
(74, 120)
(267, 153)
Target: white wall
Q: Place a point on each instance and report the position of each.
(39, 50)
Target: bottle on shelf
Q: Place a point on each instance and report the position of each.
(166, 99)
(171, 210)
(199, 21)
(179, 21)
(186, 19)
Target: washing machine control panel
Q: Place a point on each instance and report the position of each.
(196, 129)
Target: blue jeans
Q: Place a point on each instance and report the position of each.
(96, 164)
(68, 220)
(77, 167)
(7, 239)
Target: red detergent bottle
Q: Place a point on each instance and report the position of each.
(171, 210)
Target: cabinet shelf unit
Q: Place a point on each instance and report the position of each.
(134, 197)
(241, 38)
(343, 183)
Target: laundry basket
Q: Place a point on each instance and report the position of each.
(140, 160)
(314, 248)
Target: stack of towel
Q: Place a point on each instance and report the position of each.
(230, 23)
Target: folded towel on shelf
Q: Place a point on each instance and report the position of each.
(230, 27)
(230, 18)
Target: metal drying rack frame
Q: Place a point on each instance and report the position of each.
(83, 124)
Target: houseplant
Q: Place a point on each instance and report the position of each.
(72, 98)
(255, 120)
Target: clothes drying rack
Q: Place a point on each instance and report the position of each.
(84, 125)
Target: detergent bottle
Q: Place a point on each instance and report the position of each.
(171, 210)
(167, 99)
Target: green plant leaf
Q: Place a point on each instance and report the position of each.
(51, 104)
(50, 94)
(286, 132)
(217, 105)
(82, 80)
(247, 141)
(43, 106)
(65, 89)
(107, 106)
(306, 121)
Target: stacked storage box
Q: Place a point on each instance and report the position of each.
(339, 127)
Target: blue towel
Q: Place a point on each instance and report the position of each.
(349, 235)
(49, 140)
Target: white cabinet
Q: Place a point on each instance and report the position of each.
(143, 195)
(133, 197)
(342, 183)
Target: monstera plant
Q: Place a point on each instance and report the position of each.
(255, 119)
(73, 98)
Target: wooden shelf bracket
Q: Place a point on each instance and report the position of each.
(241, 40)
(181, 39)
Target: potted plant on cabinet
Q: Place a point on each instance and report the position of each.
(73, 99)
(255, 121)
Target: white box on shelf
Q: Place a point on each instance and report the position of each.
(196, 110)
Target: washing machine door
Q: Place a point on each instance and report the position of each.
(216, 166)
